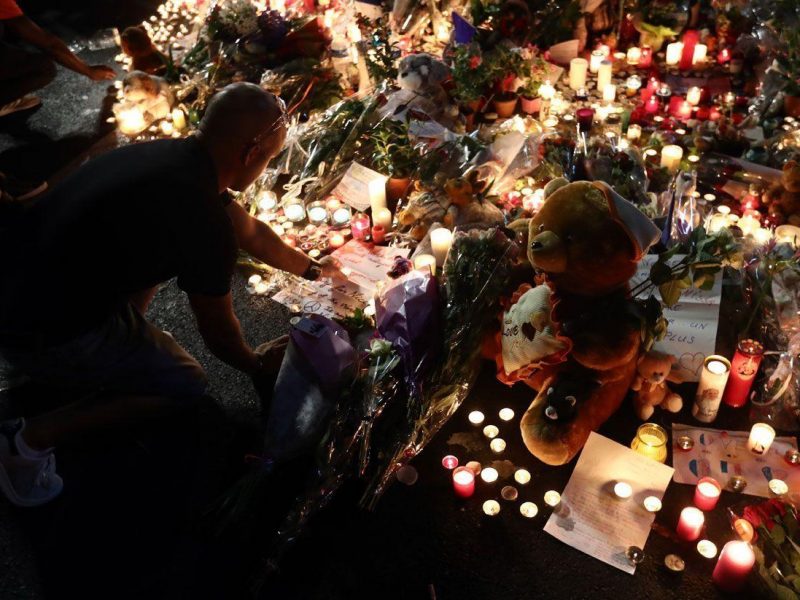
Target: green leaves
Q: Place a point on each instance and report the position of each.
(671, 290)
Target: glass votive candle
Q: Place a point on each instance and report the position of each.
(761, 437)
(585, 117)
(632, 85)
(634, 132)
(463, 482)
(336, 239)
(317, 213)
(707, 493)
(744, 367)
(450, 462)
(267, 200)
(359, 226)
(651, 441)
(690, 524)
(340, 216)
(295, 212)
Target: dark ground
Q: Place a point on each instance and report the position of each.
(132, 520)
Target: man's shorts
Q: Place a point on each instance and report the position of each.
(124, 355)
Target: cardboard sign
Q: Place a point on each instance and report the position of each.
(360, 187)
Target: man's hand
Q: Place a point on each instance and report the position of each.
(332, 269)
(101, 73)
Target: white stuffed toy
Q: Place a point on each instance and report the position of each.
(423, 74)
(145, 99)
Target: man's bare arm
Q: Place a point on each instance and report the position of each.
(222, 332)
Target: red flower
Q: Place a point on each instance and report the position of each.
(779, 506)
(474, 62)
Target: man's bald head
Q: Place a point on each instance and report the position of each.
(243, 128)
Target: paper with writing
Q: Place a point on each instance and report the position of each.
(722, 454)
(591, 518)
(368, 265)
(692, 331)
(358, 185)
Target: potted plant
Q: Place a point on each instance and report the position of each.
(471, 76)
(536, 73)
(393, 155)
(505, 66)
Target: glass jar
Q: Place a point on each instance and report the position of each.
(744, 367)
(651, 441)
(775, 400)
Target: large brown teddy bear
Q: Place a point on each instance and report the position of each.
(783, 198)
(145, 57)
(572, 337)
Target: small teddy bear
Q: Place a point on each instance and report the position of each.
(423, 74)
(152, 94)
(145, 57)
(653, 370)
(783, 198)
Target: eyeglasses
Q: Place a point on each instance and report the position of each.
(281, 122)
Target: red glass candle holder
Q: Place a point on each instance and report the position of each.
(646, 58)
(707, 493)
(585, 117)
(690, 524)
(464, 482)
(744, 367)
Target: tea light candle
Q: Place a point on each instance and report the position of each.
(734, 565)
(336, 240)
(491, 431)
(167, 127)
(441, 240)
(178, 119)
(522, 476)
(778, 487)
(254, 279)
(295, 212)
(425, 261)
(671, 157)
(528, 509)
(707, 493)
(690, 524)
(474, 466)
(746, 361)
(693, 95)
(489, 474)
(700, 52)
(709, 390)
(603, 75)
(761, 437)
(491, 507)
(674, 52)
(652, 504)
(359, 227)
(623, 490)
(633, 56)
(634, 132)
(497, 445)
(506, 414)
(706, 548)
(552, 498)
(476, 417)
(267, 200)
(463, 482)
(595, 59)
(317, 213)
(450, 462)
(632, 85)
(577, 73)
(609, 92)
(383, 218)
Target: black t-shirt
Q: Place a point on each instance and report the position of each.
(126, 221)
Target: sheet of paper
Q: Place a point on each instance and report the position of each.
(358, 185)
(692, 331)
(367, 264)
(721, 454)
(591, 519)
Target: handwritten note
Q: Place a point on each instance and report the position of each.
(367, 265)
(359, 185)
(692, 331)
(723, 454)
(591, 518)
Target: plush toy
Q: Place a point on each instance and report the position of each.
(423, 75)
(152, 94)
(145, 57)
(783, 198)
(654, 369)
(585, 242)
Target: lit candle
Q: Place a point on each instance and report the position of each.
(690, 39)
(522, 476)
(734, 565)
(441, 240)
(671, 157)
(744, 365)
(787, 234)
(491, 431)
(359, 226)
(646, 59)
(707, 493)
(317, 213)
(760, 440)
(706, 548)
(254, 280)
(690, 524)
(463, 482)
(683, 110)
(166, 127)
(652, 105)
(632, 85)
(506, 414)
(497, 445)
(489, 474)
(267, 200)
(693, 95)
(651, 441)
(450, 462)
(577, 73)
(341, 216)
(623, 490)
(724, 56)
(547, 91)
(491, 507)
(778, 487)
(700, 52)
(595, 59)
(603, 75)
(709, 390)
(178, 119)
(336, 240)
(131, 121)
(295, 212)
(383, 217)
(552, 498)
(528, 509)
(378, 234)
(634, 132)
(609, 92)
(652, 504)
(476, 417)
(674, 52)
(634, 54)
(425, 261)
